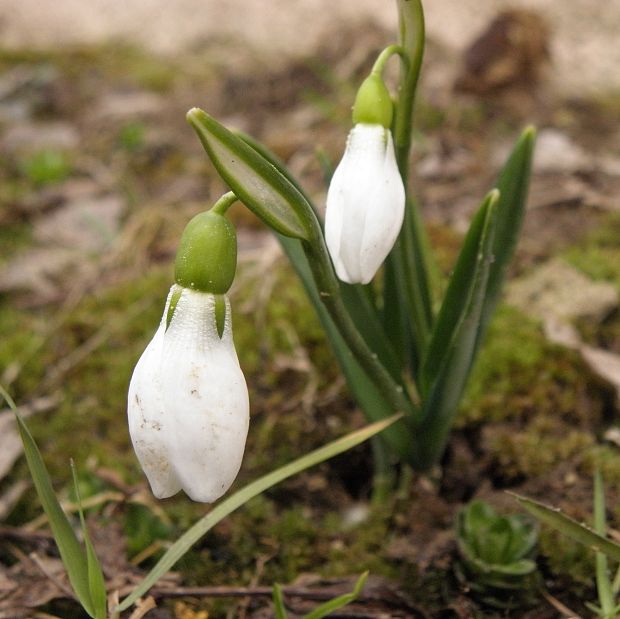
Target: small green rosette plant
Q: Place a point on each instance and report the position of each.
(496, 555)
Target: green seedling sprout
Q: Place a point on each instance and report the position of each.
(324, 609)
(496, 555)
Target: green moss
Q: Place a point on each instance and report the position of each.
(90, 421)
(514, 359)
(46, 167)
(283, 323)
(536, 449)
(598, 255)
(567, 559)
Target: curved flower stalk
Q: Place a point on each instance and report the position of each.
(365, 204)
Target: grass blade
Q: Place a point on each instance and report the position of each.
(96, 581)
(342, 600)
(71, 552)
(239, 498)
(278, 602)
(603, 583)
(569, 527)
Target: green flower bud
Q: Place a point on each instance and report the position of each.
(207, 256)
(373, 104)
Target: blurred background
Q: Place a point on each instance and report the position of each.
(99, 173)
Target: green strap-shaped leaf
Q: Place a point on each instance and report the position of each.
(513, 184)
(603, 584)
(278, 602)
(96, 581)
(580, 533)
(368, 323)
(257, 183)
(342, 600)
(466, 278)
(239, 498)
(71, 552)
(453, 341)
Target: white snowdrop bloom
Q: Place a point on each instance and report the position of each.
(188, 401)
(365, 204)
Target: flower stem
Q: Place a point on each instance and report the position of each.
(385, 55)
(412, 250)
(412, 46)
(224, 203)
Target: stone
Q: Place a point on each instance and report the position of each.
(558, 290)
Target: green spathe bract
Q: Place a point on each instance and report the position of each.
(207, 256)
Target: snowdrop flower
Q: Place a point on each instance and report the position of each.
(366, 197)
(188, 405)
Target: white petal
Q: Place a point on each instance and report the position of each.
(365, 204)
(205, 396)
(147, 421)
(384, 215)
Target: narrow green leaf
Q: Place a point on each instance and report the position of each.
(395, 317)
(569, 527)
(342, 600)
(255, 181)
(239, 498)
(457, 301)
(451, 350)
(513, 185)
(603, 582)
(278, 602)
(71, 552)
(96, 581)
(413, 271)
(368, 323)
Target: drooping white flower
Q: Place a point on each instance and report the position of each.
(365, 204)
(188, 404)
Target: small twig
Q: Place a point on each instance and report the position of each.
(566, 612)
(20, 533)
(68, 507)
(242, 607)
(76, 356)
(149, 551)
(143, 607)
(314, 594)
(35, 559)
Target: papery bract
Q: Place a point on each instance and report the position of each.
(188, 402)
(365, 204)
